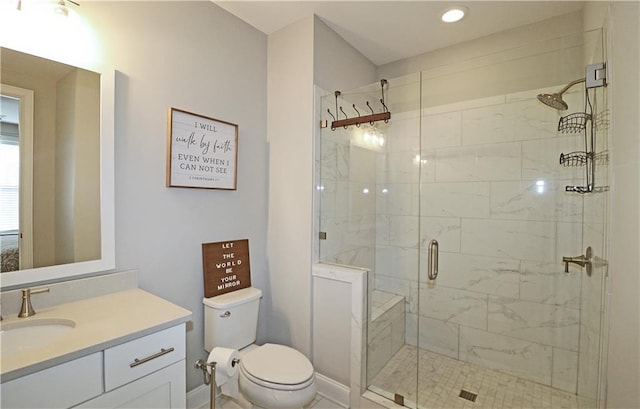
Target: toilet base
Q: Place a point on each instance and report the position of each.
(265, 398)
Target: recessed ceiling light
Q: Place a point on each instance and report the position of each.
(453, 14)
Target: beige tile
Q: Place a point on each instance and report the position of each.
(441, 379)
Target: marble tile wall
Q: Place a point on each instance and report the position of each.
(347, 200)
(492, 194)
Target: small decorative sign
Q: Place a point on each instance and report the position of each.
(201, 151)
(226, 267)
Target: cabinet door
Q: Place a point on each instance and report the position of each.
(163, 389)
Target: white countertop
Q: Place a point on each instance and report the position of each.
(101, 322)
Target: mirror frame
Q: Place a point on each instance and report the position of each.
(63, 272)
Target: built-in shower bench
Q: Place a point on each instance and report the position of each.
(386, 329)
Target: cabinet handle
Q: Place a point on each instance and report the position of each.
(137, 361)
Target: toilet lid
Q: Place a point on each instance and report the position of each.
(277, 364)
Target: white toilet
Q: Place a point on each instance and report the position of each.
(271, 376)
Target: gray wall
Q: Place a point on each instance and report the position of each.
(337, 65)
(300, 55)
(289, 131)
(196, 57)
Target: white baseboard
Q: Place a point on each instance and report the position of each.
(332, 390)
(198, 397)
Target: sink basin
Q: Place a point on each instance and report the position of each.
(33, 333)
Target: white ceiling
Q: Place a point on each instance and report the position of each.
(387, 31)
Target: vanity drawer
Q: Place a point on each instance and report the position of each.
(134, 359)
(58, 387)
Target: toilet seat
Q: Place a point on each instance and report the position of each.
(277, 367)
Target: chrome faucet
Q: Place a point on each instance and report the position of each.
(26, 309)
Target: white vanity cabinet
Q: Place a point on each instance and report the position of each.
(127, 349)
(148, 372)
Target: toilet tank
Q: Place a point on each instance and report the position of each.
(231, 319)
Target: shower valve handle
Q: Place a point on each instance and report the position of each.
(583, 261)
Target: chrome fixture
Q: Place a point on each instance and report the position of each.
(587, 261)
(140, 361)
(582, 261)
(555, 100)
(26, 310)
(432, 263)
(595, 76)
(209, 373)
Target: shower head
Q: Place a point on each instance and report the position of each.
(555, 100)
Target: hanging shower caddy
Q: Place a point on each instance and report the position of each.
(584, 122)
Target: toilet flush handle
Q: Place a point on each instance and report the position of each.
(226, 314)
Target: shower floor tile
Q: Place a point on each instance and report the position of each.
(442, 378)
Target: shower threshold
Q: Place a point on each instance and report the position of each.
(442, 381)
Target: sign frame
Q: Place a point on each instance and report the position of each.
(226, 266)
(202, 152)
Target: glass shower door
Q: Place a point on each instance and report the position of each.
(369, 218)
(504, 325)
(500, 324)
(595, 222)
(392, 365)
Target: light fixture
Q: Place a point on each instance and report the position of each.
(453, 14)
(61, 8)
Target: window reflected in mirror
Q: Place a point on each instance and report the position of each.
(9, 183)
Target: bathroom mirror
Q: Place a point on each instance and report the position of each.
(64, 122)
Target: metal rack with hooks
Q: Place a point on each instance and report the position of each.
(385, 115)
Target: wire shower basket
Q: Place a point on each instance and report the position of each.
(573, 123)
(572, 159)
(580, 158)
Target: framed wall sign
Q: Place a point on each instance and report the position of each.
(202, 152)
(225, 266)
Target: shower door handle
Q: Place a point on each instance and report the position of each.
(432, 260)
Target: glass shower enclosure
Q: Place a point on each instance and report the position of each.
(507, 322)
